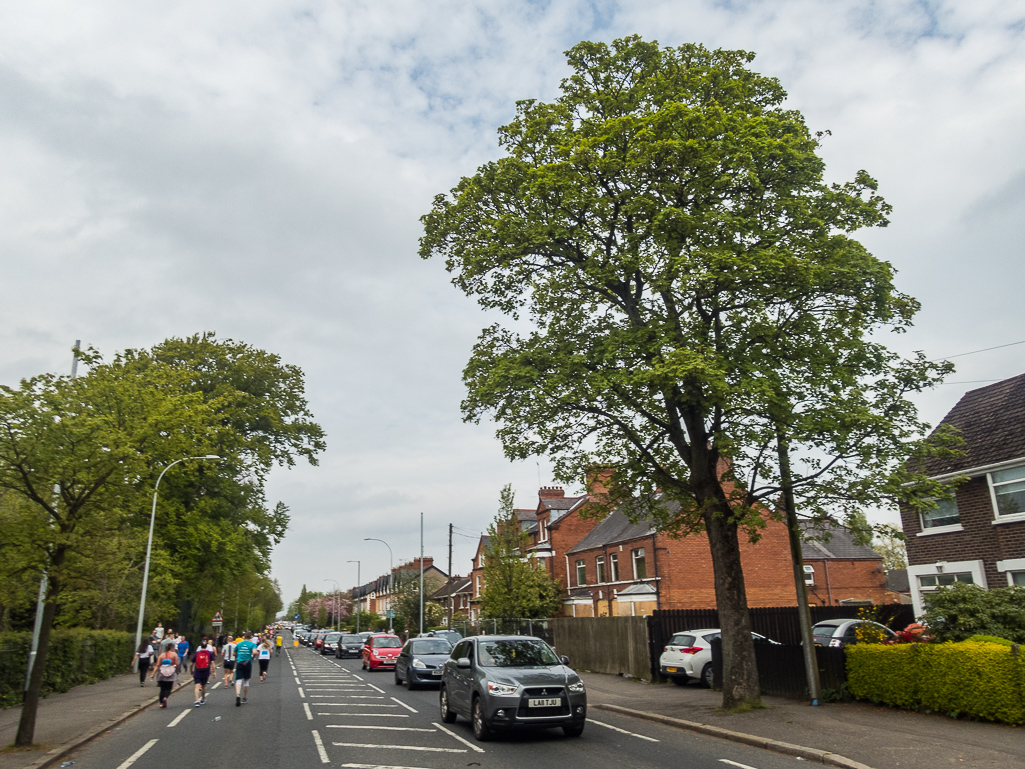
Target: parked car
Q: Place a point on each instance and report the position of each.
(838, 633)
(420, 661)
(688, 656)
(349, 645)
(510, 682)
(327, 645)
(380, 651)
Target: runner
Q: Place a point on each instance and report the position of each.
(203, 662)
(229, 660)
(143, 654)
(264, 660)
(166, 671)
(243, 667)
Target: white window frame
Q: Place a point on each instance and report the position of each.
(976, 568)
(997, 518)
(1009, 567)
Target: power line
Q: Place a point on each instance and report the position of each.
(985, 349)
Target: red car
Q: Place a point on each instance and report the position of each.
(380, 651)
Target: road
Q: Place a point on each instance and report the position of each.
(316, 710)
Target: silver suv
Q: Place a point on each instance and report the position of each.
(509, 682)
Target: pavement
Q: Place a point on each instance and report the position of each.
(848, 735)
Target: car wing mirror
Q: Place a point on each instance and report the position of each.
(463, 662)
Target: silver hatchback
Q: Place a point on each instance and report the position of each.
(511, 682)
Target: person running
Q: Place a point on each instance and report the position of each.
(277, 645)
(264, 659)
(143, 654)
(203, 662)
(229, 660)
(166, 671)
(243, 667)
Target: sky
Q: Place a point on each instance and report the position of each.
(258, 169)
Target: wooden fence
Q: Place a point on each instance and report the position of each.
(614, 645)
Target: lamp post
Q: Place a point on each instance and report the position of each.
(391, 566)
(149, 543)
(358, 586)
(334, 601)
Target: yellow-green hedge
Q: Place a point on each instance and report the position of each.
(970, 678)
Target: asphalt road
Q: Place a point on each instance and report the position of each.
(315, 710)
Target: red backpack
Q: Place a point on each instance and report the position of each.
(202, 659)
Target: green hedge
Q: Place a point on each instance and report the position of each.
(76, 656)
(970, 678)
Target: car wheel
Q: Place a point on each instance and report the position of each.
(447, 716)
(706, 675)
(480, 729)
(573, 730)
(680, 680)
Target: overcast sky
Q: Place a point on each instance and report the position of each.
(259, 168)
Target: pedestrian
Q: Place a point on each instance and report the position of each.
(143, 654)
(264, 659)
(277, 645)
(243, 668)
(229, 660)
(203, 661)
(166, 671)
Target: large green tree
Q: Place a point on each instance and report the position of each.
(697, 314)
(515, 585)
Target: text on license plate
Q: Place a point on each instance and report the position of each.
(544, 702)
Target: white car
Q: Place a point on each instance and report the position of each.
(689, 655)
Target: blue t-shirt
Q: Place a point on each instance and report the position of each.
(244, 651)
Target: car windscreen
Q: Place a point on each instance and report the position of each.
(431, 646)
(352, 639)
(516, 654)
(386, 643)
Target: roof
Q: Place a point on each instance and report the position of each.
(840, 542)
(992, 422)
(615, 528)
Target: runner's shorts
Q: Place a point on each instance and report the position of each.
(243, 670)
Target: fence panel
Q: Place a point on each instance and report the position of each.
(614, 645)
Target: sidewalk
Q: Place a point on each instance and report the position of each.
(65, 720)
(877, 737)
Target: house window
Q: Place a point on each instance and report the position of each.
(600, 563)
(581, 573)
(614, 567)
(1009, 491)
(640, 570)
(944, 514)
(929, 583)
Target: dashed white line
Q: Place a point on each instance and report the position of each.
(320, 748)
(403, 704)
(309, 715)
(734, 763)
(138, 754)
(397, 747)
(450, 733)
(621, 731)
(179, 717)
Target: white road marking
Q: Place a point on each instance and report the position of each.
(374, 726)
(309, 715)
(734, 763)
(180, 716)
(403, 704)
(465, 742)
(320, 748)
(621, 731)
(138, 754)
(375, 688)
(302, 693)
(397, 747)
(363, 715)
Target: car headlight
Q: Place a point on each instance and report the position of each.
(419, 665)
(577, 687)
(496, 688)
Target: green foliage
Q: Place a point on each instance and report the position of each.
(957, 612)
(76, 657)
(972, 679)
(515, 586)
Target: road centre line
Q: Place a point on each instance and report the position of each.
(734, 763)
(179, 717)
(621, 731)
(403, 704)
(320, 748)
(397, 747)
(309, 715)
(450, 733)
(380, 728)
(138, 754)
(363, 715)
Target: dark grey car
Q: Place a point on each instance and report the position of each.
(420, 661)
(510, 682)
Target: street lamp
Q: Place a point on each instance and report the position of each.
(149, 543)
(391, 567)
(359, 606)
(334, 602)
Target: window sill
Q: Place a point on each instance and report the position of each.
(940, 530)
(1016, 518)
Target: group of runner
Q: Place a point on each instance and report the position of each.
(236, 655)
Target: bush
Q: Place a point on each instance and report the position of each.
(76, 656)
(972, 678)
(958, 612)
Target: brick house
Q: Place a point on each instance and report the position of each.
(979, 537)
(838, 570)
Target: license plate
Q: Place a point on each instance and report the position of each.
(544, 702)
(670, 670)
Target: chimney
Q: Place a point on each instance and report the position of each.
(551, 492)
